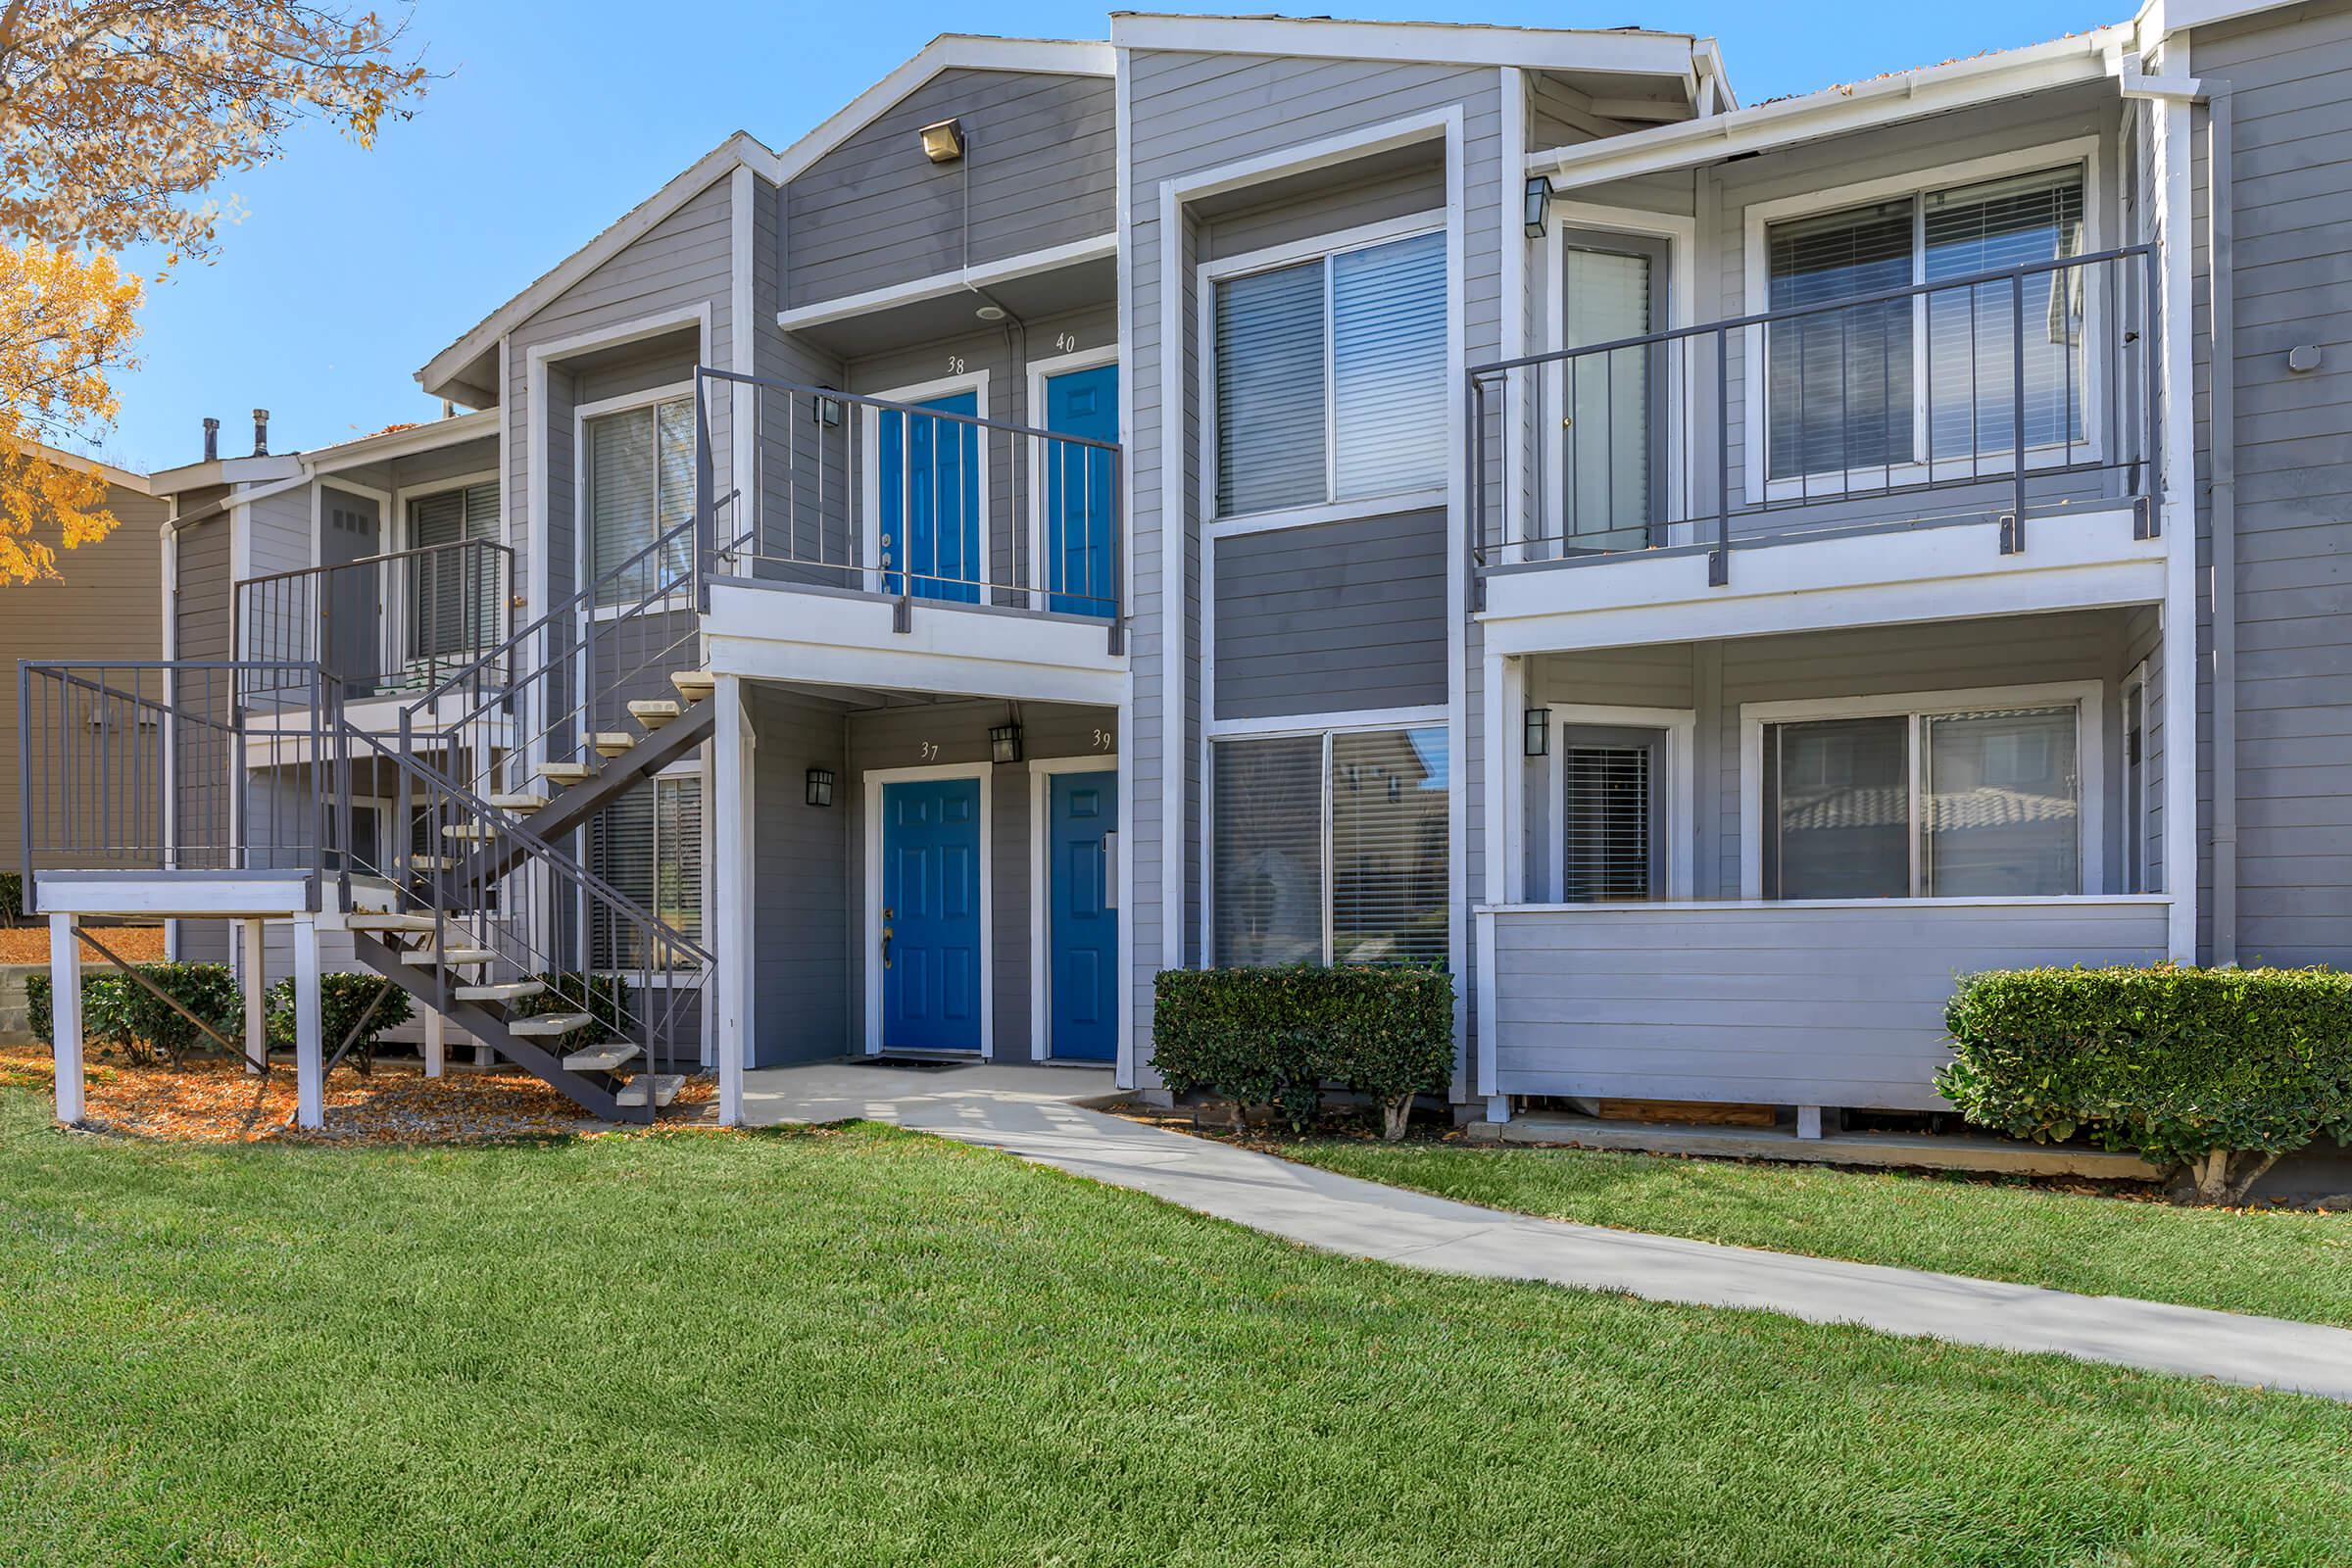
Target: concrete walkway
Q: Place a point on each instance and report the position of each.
(1035, 1113)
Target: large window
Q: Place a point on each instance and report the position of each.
(1930, 378)
(1969, 802)
(649, 845)
(1329, 848)
(1330, 379)
(640, 473)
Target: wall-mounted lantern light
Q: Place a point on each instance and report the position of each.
(820, 786)
(824, 412)
(942, 141)
(1004, 743)
(1538, 739)
(1539, 204)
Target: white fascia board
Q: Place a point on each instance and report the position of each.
(2159, 18)
(1834, 111)
(940, 285)
(1631, 53)
(224, 471)
(75, 460)
(739, 149)
(383, 447)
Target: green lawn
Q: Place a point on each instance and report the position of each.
(2277, 1262)
(862, 1345)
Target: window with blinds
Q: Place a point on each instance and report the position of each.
(1329, 848)
(1845, 388)
(640, 468)
(454, 594)
(649, 845)
(1609, 822)
(1330, 379)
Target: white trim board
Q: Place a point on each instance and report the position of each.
(874, 778)
(2090, 755)
(1042, 771)
(1618, 51)
(941, 285)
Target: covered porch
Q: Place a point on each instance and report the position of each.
(1747, 869)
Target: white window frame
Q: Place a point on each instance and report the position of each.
(869, 530)
(871, 926)
(1039, 372)
(689, 767)
(1833, 484)
(581, 525)
(2087, 697)
(1300, 726)
(1679, 799)
(2133, 873)
(1323, 248)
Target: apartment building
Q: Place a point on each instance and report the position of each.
(1262, 490)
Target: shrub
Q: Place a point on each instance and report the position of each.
(603, 997)
(344, 999)
(12, 898)
(116, 1012)
(1277, 1035)
(2211, 1074)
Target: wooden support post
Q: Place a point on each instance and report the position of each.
(65, 1015)
(435, 1042)
(256, 984)
(310, 1046)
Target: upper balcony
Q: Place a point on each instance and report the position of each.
(1974, 429)
(925, 545)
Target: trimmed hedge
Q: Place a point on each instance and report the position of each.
(128, 1017)
(344, 999)
(1276, 1036)
(2208, 1073)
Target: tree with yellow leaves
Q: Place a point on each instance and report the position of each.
(117, 117)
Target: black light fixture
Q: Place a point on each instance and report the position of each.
(820, 786)
(824, 412)
(1004, 743)
(1536, 742)
(942, 140)
(1539, 204)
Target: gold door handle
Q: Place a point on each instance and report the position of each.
(887, 933)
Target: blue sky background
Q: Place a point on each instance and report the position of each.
(351, 268)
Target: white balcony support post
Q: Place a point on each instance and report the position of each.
(65, 1016)
(309, 1044)
(2176, 235)
(254, 979)
(732, 943)
(436, 1044)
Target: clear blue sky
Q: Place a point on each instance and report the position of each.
(352, 269)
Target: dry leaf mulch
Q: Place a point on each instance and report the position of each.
(213, 1100)
(30, 944)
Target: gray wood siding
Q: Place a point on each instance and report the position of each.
(1399, 193)
(1039, 167)
(1323, 620)
(894, 737)
(1812, 1004)
(801, 935)
(2290, 71)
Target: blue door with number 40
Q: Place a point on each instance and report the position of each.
(1083, 945)
(1080, 516)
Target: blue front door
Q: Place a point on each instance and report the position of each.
(930, 950)
(1083, 945)
(1081, 544)
(930, 500)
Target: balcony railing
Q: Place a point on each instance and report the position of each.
(921, 504)
(383, 625)
(2022, 393)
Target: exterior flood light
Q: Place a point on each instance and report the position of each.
(824, 412)
(1004, 743)
(1539, 204)
(942, 141)
(1538, 740)
(820, 786)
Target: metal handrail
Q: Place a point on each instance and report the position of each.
(489, 545)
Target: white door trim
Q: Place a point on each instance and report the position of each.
(1041, 873)
(875, 779)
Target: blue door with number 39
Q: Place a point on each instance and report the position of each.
(1083, 944)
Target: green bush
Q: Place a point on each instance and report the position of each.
(2211, 1074)
(344, 999)
(1276, 1036)
(603, 997)
(128, 1017)
(12, 898)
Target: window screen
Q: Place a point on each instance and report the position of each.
(1270, 391)
(1609, 818)
(1839, 392)
(1388, 846)
(454, 594)
(1971, 387)
(1267, 860)
(2003, 805)
(1838, 809)
(640, 487)
(648, 844)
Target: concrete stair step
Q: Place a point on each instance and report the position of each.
(612, 742)
(470, 832)
(522, 801)
(653, 1088)
(390, 922)
(511, 991)
(600, 1059)
(566, 772)
(453, 957)
(652, 714)
(549, 1023)
(694, 684)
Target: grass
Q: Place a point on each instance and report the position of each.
(864, 1346)
(2280, 1263)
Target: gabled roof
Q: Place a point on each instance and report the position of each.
(441, 375)
(74, 460)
